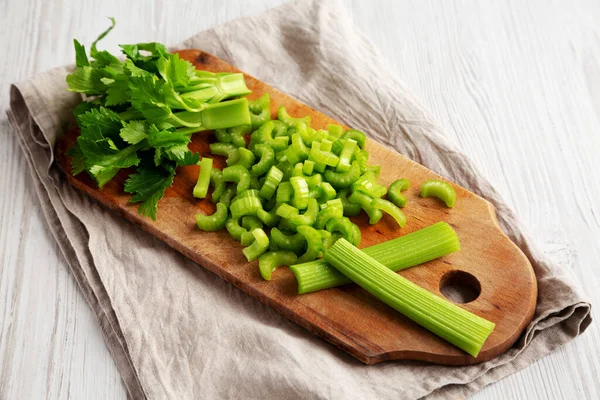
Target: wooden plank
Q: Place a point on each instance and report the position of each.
(348, 317)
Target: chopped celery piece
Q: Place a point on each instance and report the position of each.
(267, 159)
(201, 188)
(394, 192)
(358, 136)
(258, 247)
(286, 211)
(284, 192)
(322, 157)
(308, 166)
(343, 179)
(225, 149)
(343, 225)
(239, 175)
(314, 244)
(233, 135)
(216, 180)
(365, 200)
(213, 222)
(367, 183)
(260, 110)
(309, 216)
(245, 158)
(281, 241)
(234, 228)
(269, 218)
(346, 156)
(391, 209)
(300, 190)
(245, 206)
(334, 209)
(227, 195)
(350, 209)
(284, 117)
(271, 260)
(264, 135)
(415, 248)
(271, 183)
(458, 326)
(440, 189)
(327, 191)
(335, 131)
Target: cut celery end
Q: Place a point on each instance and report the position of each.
(458, 326)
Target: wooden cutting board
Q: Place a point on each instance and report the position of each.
(489, 264)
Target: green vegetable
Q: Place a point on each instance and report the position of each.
(391, 209)
(286, 211)
(227, 195)
(309, 216)
(415, 248)
(270, 261)
(216, 180)
(264, 134)
(234, 228)
(148, 186)
(365, 202)
(267, 159)
(343, 179)
(201, 188)
(346, 155)
(284, 117)
(348, 230)
(245, 206)
(443, 318)
(440, 189)
(334, 209)
(367, 183)
(250, 223)
(300, 190)
(350, 209)
(239, 175)
(233, 135)
(245, 158)
(260, 110)
(314, 245)
(394, 192)
(271, 183)
(258, 247)
(213, 222)
(140, 114)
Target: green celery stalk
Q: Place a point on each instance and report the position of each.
(215, 116)
(397, 254)
(201, 187)
(442, 317)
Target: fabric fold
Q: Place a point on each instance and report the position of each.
(177, 331)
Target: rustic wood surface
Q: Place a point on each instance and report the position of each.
(516, 84)
(347, 316)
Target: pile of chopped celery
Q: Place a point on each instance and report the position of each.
(286, 195)
(296, 183)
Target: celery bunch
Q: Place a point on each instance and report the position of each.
(140, 113)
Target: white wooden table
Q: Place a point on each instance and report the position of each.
(517, 84)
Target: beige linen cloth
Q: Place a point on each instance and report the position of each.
(177, 331)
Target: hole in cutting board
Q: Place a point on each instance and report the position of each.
(460, 286)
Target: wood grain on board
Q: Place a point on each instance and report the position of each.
(347, 316)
